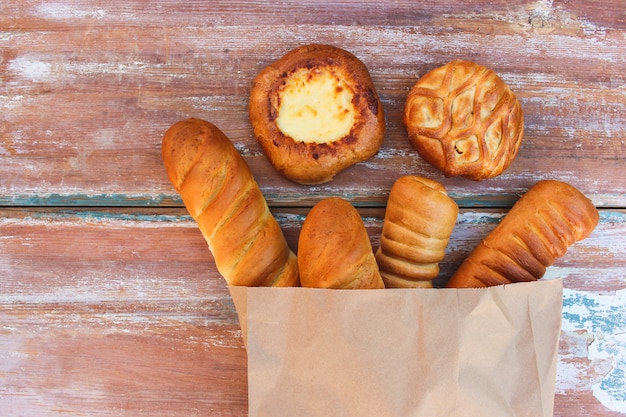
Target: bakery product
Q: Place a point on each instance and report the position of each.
(315, 112)
(538, 229)
(419, 220)
(463, 119)
(222, 196)
(334, 250)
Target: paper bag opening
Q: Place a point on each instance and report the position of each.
(401, 352)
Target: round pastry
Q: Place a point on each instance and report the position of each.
(463, 119)
(315, 112)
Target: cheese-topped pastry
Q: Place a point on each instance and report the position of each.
(315, 112)
(315, 105)
(463, 119)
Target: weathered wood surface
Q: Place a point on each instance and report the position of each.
(90, 88)
(109, 301)
(123, 313)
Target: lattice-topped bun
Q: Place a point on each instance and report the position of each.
(463, 119)
(315, 112)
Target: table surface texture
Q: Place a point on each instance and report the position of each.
(110, 301)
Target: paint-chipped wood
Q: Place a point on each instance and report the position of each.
(89, 90)
(110, 303)
(107, 309)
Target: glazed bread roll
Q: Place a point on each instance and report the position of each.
(222, 196)
(315, 112)
(463, 119)
(334, 250)
(419, 220)
(538, 229)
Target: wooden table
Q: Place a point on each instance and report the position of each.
(110, 303)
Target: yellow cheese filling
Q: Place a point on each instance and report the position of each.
(315, 106)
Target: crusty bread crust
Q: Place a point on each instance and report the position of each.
(309, 161)
(334, 250)
(538, 229)
(419, 220)
(222, 196)
(463, 119)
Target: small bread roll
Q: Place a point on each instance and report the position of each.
(463, 119)
(315, 112)
(334, 250)
(538, 229)
(419, 220)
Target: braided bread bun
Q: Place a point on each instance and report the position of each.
(419, 220)
(463, 119)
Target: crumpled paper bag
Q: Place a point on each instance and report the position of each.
(401, 352)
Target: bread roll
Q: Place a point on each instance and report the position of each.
(315, 112)
(463, 119)
(334, 250)
(419, 220)
(222, 196)
(538, 229)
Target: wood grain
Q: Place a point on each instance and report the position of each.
(109, 312)
(131, 78)
(110, 303)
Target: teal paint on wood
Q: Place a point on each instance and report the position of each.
(603, 317)
(95, 200)
(104, 216)
(174, 200)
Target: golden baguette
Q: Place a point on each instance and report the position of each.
(419, 220)
(221, 195)
(538, 229)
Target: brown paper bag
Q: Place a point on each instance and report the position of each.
(401, 352)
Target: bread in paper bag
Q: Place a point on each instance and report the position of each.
(222, 196)
(410, 352)
(419, 220)
(334, 250)
(540, 227)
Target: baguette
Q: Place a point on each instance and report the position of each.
(538, 229)
(221, 195)
(334, 250)
(419, 220)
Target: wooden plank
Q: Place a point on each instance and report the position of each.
(121, 311)
(99, 244)
(130, 79)
(109, 300)
(108, 314)
(59, 359)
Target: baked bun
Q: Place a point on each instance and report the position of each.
(334, 250)
(315, 112)
(419, 220)
(463, 119)
(538, 229)
(222, 196)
